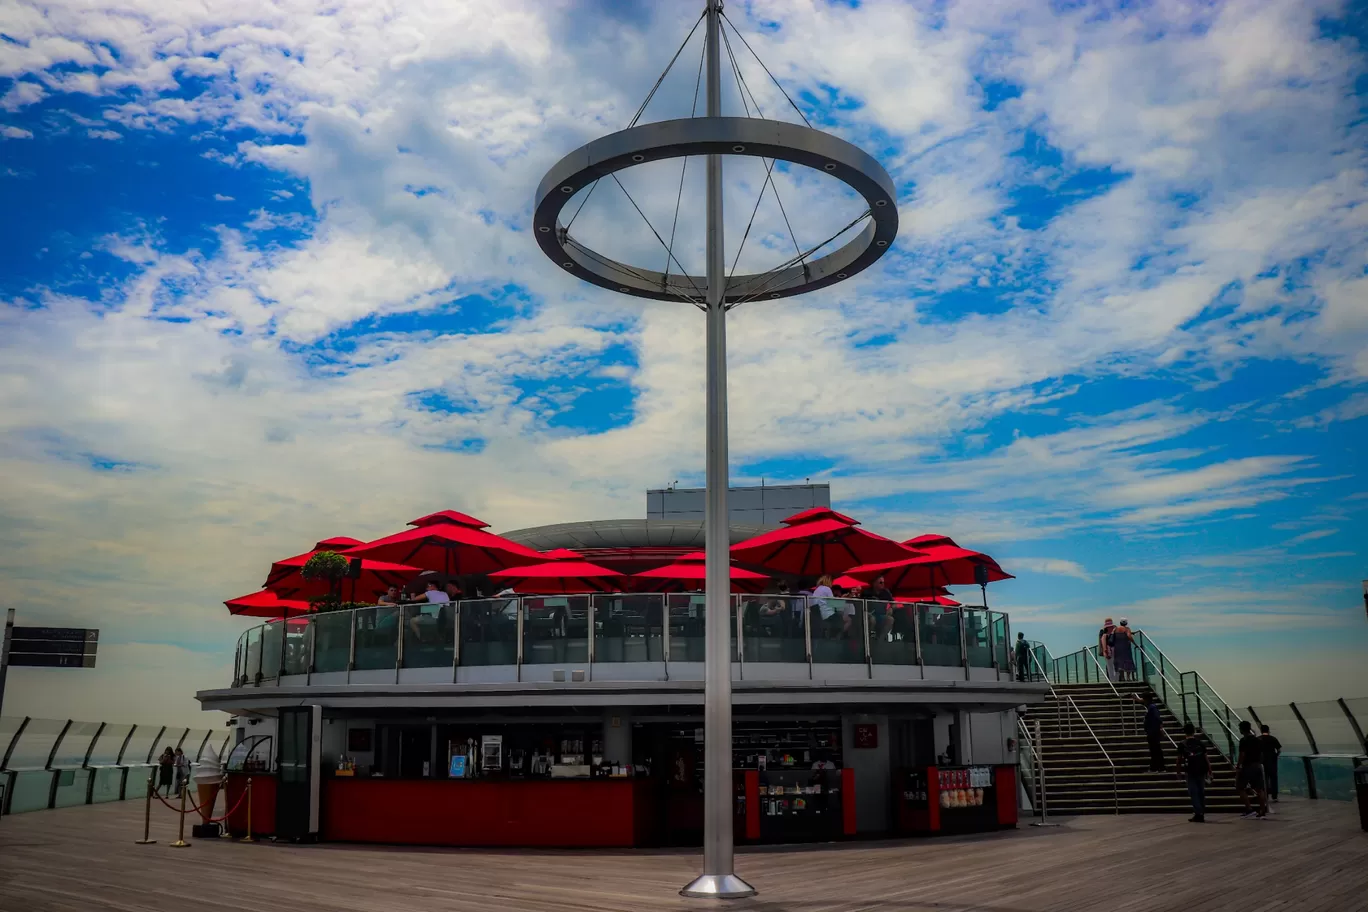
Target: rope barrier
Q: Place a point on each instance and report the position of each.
(194, 807)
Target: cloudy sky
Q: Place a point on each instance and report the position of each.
(268, 277)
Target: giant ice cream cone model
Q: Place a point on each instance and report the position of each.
(208, 777)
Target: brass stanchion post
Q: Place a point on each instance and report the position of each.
(180, 842)
(147, 818)
(248, 837)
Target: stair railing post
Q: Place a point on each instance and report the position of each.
(1353, 723)
(1311, 791)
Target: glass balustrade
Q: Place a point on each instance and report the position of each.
(377, 638)
(629, 628)
(634, 627)
(773, 628)
(555, 630)
(332, 641)
(685, 611)
(489, 632)
(429, 635)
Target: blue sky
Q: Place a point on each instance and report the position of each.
(268, 277)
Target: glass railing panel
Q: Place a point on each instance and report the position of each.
(32, 789)
(1330, 727)
(1002, 648)
(332, 641)
(36, 743)
(72, 785)
(686, 611)
(272, 643)
(892, 639)
(239, 659)
(108, 782)
(297, 646)
(75, 743)
(429, 634)
(1334, 777)
(629, 628)
(377, 638)
(145, 739)
(773, 628)
(489, 632)
(940, 635)
(105, 752)
(555, 629)
(837, 631)
(252, 659)
(976, 644)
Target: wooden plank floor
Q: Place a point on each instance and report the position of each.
(1312, 856)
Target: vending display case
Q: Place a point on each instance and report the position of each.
(955, 799)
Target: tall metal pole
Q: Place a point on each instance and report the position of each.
(717, 878)
(4, 653)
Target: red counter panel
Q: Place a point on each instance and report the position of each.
(263, 803)
(532, 813)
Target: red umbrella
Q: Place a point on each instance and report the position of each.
(267, 604)
(944, 548)
(337, 543)
(448, 516)
(942, 565)
(287, 578)
(565, 573)
(692, 568)
(816, 542)
(452, 544)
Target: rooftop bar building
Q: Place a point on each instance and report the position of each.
(576, 720)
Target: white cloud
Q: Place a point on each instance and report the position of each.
(10, 132)
(222, 198)
(104, 134)
(1052, 566)
(20, 95)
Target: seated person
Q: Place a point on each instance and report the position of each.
(391, 597)
(882, 605)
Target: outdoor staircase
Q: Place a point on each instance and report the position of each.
(1079, 721)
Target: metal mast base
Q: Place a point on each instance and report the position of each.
(718, 886)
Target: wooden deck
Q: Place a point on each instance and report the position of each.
(1312, 856)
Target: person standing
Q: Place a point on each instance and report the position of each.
(166, 770)
(1154, 732)
(1195, 769)
(1104, 647)
(182, 766)
(1123, 651)
(1023, 656)
(1272, 750)
(1249, 772)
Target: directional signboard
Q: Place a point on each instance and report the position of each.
(53, 647)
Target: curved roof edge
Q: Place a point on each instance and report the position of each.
(623, 533)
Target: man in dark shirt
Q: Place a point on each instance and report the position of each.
(883, 607)
(1154, 732)
(1272, 748)
(1249, 772)
(1195, 768)
(1023, 656)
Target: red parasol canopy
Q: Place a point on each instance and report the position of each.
(449, 547)
(287, 578)
(815, 542)
(267, 604)
(692, 568)
(337, 543)
(449, 516)
(939, 596)
(940, 565)
(564, 574)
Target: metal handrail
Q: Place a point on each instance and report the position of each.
(1102, 671)
(1230, 733)
(1024, 734)
(1116, 795)
(1149, 639)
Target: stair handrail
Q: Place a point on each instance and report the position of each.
(1150, 640)
(1142, 642)
(1102, 670)
(1116, 795)
(1024, 734)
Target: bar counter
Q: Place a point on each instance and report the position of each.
(527, 813)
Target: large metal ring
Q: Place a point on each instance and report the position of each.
(724, 136)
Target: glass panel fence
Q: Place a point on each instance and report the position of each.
(555, 629)
(429, 635)
(72, 785)
(272, 644)
(31, 752)
(837, 631)
(377, 638)
(332, 641)
(892, 639)
(628, 628)
(1334, 777)
(1002, 647)
(297, 646)
(107, 746)
(108, 783)
(977, 646)
(32, 789)
(75, 743)
(145, 739)
(685, 611)
(489, 632)
(1330, 727)
(940, 635)
(252, 662)
(773, 628)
